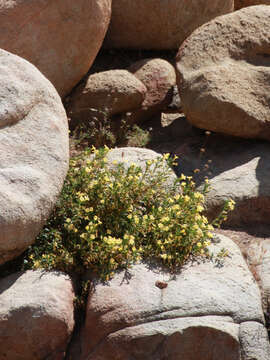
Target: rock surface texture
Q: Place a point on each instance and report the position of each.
(159, 24)
(224, 74)
(239, 4)
(33, 153)
(110, 92)
(159, 77)
(36, 315)
(138, 156)
(238, 169)
(61, 38)
(134, 318)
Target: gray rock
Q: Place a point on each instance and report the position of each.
(202, 338)
(254, 341)
(265, 276)
(132, 309)
(238, 169)
(33, 153)
(139, 156)
(36, 315)
(223, 74)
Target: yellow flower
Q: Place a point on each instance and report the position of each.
(199, 208)
(182, 177)
(68, 220)
(231, 204)
(198, 195)
(199, 244)
(166, 156)
(129, 216)
(186, 198)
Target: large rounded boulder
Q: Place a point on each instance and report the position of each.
(61, 38)
(159, 24)
(36, 315)
(203, 313)
(33, 152)
(223, 72)
(107, 93)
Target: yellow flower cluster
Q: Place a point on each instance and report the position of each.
(109, 217)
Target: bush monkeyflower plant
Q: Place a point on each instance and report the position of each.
(109, 217)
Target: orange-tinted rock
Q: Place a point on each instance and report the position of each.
(61, 38)
(159, 78)
(239, 4)
(159, 24)
(109, 92)
(36, 315)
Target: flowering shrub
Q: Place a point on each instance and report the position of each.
(109, 217)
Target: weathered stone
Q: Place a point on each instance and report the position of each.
(238, 169)
(223, 74)
(265, 276)
(62, 38)
(159, 24)
(254, 341)
(139, 156)
(33, 153)
(132, 315)
(109, 92)
(159, 77)
(36, 315)
(186, 338)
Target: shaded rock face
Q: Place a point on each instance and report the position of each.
(33, 153)
(159, 24)
(61, 38)
(237, 169)
(109, 92)
(133, 317)
(159, 78)
(239, 4)
(223, 72)
(36, 315)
